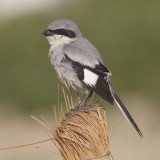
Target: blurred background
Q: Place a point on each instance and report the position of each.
(126, 33)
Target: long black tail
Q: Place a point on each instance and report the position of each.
(105, 90)
(124, 110)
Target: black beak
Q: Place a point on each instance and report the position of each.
(47, 33)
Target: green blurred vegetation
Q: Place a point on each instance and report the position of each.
(126, 33)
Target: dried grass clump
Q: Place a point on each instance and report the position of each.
(83, 135)
(80, 135)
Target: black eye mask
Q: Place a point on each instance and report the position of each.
(67, 33)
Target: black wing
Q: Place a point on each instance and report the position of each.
(101, 87)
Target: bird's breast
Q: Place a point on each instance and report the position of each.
(64, 69)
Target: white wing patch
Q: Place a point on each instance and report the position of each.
(90, 78)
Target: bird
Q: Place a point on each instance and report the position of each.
(78, 64)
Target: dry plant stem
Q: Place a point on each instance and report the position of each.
(26, 145)
(71, 98)
(64, 94)
(82, 135)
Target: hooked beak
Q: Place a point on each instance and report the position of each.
(47, 33)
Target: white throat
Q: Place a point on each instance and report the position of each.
(57, 40)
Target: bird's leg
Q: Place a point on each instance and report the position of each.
(85, 99)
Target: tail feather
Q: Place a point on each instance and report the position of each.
(105, 90)
(124, 111)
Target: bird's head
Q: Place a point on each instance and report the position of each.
(61, 31)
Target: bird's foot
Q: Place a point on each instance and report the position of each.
(80, 109)
(77, 109)
(73, 111)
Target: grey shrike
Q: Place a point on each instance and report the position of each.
(79, 64)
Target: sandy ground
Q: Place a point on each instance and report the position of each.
(124, 141)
